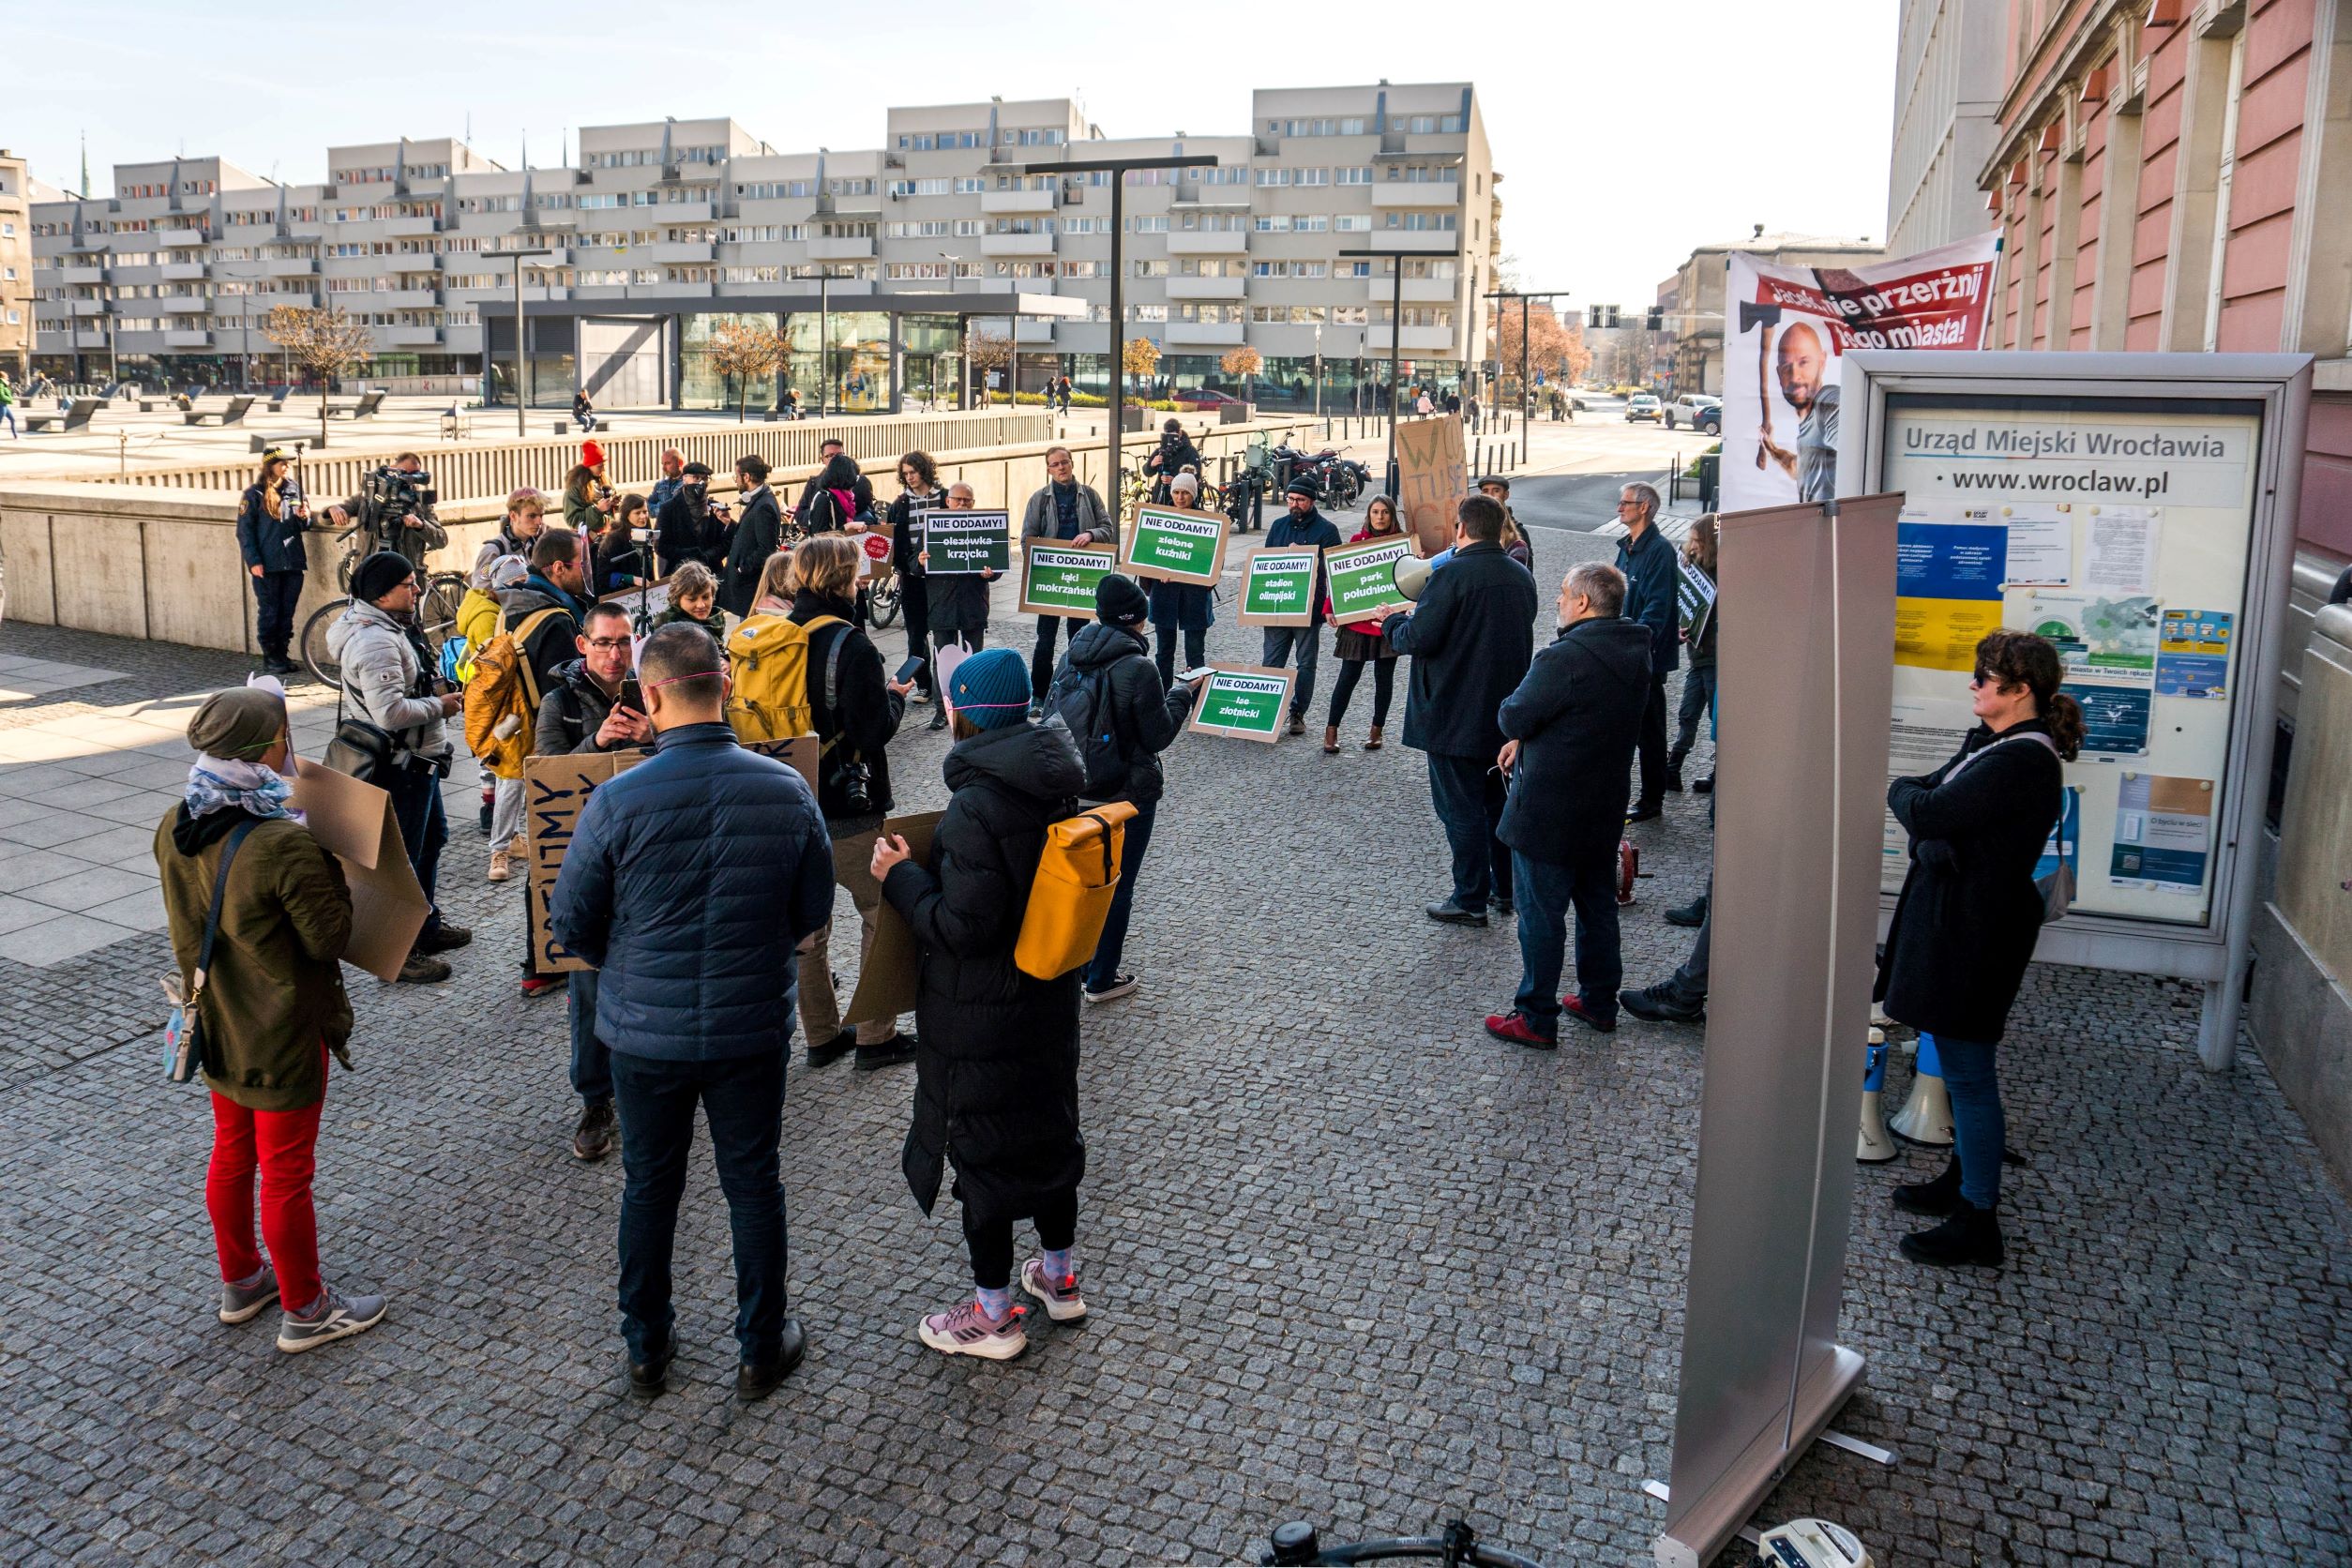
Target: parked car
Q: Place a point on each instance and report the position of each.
(1695, 409)
(1205, 399)
(1641, 405)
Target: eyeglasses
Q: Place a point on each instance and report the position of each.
(608, 642)
(1622, 504)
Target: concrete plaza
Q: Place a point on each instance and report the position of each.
(1349, 1260)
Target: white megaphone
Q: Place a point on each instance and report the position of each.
(1412, 574)
(1875, 1147)
(1926, 1117)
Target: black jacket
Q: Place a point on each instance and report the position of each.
(1147, 715)
(823, 512)
(996, 1066)
(271, 543)
(904, 547)
(957, 601)
(1652, 575)
(554, 642)
(573, 710)
(1312, 529)
(1969, 916)
(1470, 638)
(1575, 718)
(1176, 450)
(759, 531)
(684, 532)
(863, 489)
(868, 710)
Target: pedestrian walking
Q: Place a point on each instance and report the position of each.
(1361, 642)
(271, 521)
(759, 534)
(1063, 510)
(957, 602)
(1698, 679)
(1470, 639)
(1652, 580)
(691, 881)
(1186, 609)
(1967, 920)
(1302, 525)
(8, 406)
(996, 1066)
(919, 491)
(1569, 738)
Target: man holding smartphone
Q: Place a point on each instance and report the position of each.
(594, 706)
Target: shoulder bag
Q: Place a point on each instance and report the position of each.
(184, 1052)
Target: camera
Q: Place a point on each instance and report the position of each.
(857, 789)
(394, 499)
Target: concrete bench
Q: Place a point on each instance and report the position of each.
(263, 442)
(78, 415)
(234, 413)
(566, 424)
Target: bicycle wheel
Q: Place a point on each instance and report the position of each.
(437, 611)
(322, 666)
(881, 602)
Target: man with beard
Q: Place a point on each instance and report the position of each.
(1814, 463)
(689, 527)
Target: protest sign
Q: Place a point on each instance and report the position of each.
(555, 790)
(1363, 578)
(893, 966)
(1244, 702)
(1278, 586)
(1177, 545)
(967, 542)
(353, 823)
(1794, 325)
(875, 542)
(1060, 578)
(1433, 475)
(1693, 601)
(647, 599)
(799, 753)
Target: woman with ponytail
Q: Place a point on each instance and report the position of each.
(1969, 913)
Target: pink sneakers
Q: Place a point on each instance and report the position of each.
(963, 1331)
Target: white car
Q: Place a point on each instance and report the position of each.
(1697, 410)
(1641, 405)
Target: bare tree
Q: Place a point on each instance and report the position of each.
(746, 351)
(1244, 363)
(323, 342)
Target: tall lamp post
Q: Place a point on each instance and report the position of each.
(1395, 336)
(1523, 297)
(1118, 169)
(522, 353)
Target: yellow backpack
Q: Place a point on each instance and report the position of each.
(1077, 872)
(767, 665)
(502, 701)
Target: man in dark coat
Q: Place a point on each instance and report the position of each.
(1652, 575)
(1302, 525)
(759, 533)
(1470, 639)
(1570, 728)
(687, 527)
(957, 602)
(1060, 510)
(1175, 454)
(863, 489)
(691, 881)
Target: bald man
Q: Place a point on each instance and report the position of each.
(1801, 361)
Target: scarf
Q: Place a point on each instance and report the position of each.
(848, 501)
(222, 783)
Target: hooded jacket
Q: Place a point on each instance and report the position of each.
(383, 676)
(1575, 718)
(997, 1052)
(1146, 715)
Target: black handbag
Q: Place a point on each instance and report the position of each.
(364, 750)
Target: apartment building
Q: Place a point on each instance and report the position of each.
(660, 231)
(1948, 80)
(18, 191)
(1690, 352)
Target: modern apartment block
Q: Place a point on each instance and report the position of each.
(1948, 80)
(18, 191)
(663, 231)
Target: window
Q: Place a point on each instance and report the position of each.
(1353, 222)
(1086, 225)
(969, 184)
(1156, 225)
(1274, 223)
(1147, 269)
(1312, 222)
(1421, 222)
(1361, 175)
(1313, 176)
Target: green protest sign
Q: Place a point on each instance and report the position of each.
(1177, 544)
(968, 541)
(1060, 578)
(1363, 578)
(1278, 587)
(1242, 702)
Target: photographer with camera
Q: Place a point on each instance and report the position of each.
(854, 711)
(391, 676)
(395, 507)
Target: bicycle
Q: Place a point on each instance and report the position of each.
(437, 612)
(1297, 1543)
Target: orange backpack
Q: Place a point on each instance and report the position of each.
(1077, 872)
(502, 701)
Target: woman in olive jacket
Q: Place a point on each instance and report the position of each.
(1966, 922)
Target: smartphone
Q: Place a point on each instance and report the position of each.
(910, 670)
(632, 697)
(1188, 676)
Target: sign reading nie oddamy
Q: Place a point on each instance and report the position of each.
(1177, 545)
(1244, 701)
(968, 541)
(1363, 578)
(1059, 580)
(1278, 587)
(1432, 475)
(555, 790)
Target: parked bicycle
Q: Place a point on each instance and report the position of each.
(436, 610)
(1298, 1543)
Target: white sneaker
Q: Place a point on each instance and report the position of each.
(1062, 1302)
(961, 1331)
(1120, 986)
(502, 865)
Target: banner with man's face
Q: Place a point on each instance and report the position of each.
(1786, 328)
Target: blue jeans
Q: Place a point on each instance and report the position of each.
(1113, 946)
(586, 421)
(1469, 792)
(742, 1096)
(1979, 1129)
(1698, 701)
(1546, 890)
(415, 791)
(1280, 640)
(591, 1063)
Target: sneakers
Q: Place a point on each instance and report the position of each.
(1600, 1023)
(1970, 1236)
(963, 1331)
(335, 1317)
(1688, 915)
(1447, 912)
(502, 862)
(422, 967)
(1513, 1027)
(831, 1051)
(593, 1139)
(1120, 984)
(441, 938)
(1062, 1301)
(897, 1050)
(540, 985)
(1663, 1004)
(242, 1304)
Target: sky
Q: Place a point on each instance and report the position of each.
(1626, 135)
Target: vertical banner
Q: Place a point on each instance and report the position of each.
(1786, 328)
(1433, 475)
(1806, 662)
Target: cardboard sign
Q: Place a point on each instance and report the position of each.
(1177, 546)
(1244, 702)
(1060, 578)
(800, 754)
(968, 542)
(1363, 578)
(645, 600)
(1433, 475)
(893, 969)
(875, 542)
(555, 790)
(1278, 587)
(353, 823)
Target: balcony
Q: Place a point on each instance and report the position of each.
(676, 212)
(291, 266)
(1437, 242)
(1206, 288)
(164, 239)
(674, 250)
(181, 272)
(183, 305)
(403, 299)
(1205, 242)
(1417, 193)
(1017, 245)
(669, 289)
(840, 248)
(401, 228)
(408, 337)
(187, 338)
(87, 307)
(1205, 332)
(1423, 290)
(1019, 201)
(81, 275)
(86, 340)
(1413, 339)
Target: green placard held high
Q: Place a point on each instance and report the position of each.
(1363, 578)
(1059, 578)
(1177, 544)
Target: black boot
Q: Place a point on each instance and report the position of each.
(1971, 1235)
(1938, 1197)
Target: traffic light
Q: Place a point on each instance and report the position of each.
(1592, 317)
(1612, 317)
(1657, 318)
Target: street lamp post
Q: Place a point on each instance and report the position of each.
(1118, 168)
(1318, 371)
(1395, 337)
(1524, 307)
(522, 352)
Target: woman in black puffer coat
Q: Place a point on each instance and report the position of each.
(997, 1053)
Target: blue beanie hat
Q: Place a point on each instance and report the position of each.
(992, 689)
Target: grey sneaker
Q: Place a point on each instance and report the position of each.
(961, 1331)
(336, 1317)
(242, 1304)
(1061, 1297)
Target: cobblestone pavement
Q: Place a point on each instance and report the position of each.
(1349, 1260)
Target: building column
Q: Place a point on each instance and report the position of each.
(897, 362)
(2119, 219)
(2318, 312)
(2205, 109)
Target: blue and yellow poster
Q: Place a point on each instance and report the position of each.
(1947, 591)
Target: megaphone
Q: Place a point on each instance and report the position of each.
(1875, 1147)
(1925, 1118)
(1412, 574)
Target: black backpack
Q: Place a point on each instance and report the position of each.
(1083, 704)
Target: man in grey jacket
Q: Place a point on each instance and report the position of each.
(388, 677)
(1061, 510)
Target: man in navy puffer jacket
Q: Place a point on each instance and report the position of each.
(691, 881)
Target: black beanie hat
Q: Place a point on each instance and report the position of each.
(1120, 601)
(378, 574)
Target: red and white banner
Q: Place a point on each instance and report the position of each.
(1786, 328)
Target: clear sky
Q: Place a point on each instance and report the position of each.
(1626, 133)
